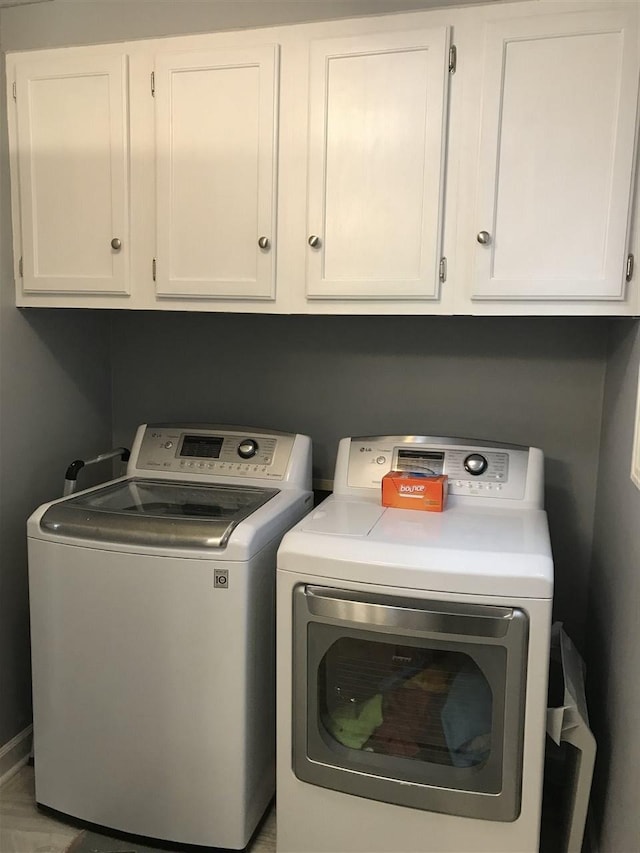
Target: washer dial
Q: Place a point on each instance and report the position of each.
(247, 448)
(475, 464)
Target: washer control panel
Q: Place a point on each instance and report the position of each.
(473, 469)
(215, 451)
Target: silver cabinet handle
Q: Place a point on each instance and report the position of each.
(314, 242)
(264, 242)
(116, 244)
(484, 238)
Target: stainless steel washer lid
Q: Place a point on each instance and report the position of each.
(157, 512)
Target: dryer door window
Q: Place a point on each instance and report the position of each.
(427, 704)
(413, 702)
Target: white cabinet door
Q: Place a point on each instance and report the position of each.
(376, 165)
(555, 165)
(72, 156)
(216, 169)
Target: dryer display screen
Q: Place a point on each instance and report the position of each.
(425, 461)
(202, 446)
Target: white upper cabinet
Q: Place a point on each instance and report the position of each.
(556, 159)
(71, 153)
(216, 130)
(343, 166)
(377, 128)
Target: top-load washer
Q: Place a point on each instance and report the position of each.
(152, 629)
(413, 654)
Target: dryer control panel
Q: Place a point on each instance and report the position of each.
(475, 470)
(214, 451)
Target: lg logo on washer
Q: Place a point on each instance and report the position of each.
(221, 578)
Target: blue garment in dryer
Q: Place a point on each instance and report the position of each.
(466, 718)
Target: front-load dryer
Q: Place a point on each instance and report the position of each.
(152, 630)
(412, 656)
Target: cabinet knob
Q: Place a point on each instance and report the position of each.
(264, 242)
(116, 244)
(314, 242)
(484, 238)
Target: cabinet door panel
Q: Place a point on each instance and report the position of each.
(216, 126)
(376, 159)
(72, 160)
(556, 158)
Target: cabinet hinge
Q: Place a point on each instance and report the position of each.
(453, 59)
(630, 265)
(20, 268)
(443, 269)
(15, 91)
(153, 84)
(153, 269)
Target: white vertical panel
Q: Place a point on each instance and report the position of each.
(370, 235)
(216, 120)
(376, 160)
(556, 158)
(73, 166)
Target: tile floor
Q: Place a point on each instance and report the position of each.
(24, 829)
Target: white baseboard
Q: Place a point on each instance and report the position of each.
(15, 754)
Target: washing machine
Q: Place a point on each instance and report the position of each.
(413, 653)
(152, 631)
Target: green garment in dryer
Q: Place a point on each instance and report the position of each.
(352, 725)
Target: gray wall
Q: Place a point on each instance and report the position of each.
(528, 381)
(55, 406)
(67, 22)
(614, 612)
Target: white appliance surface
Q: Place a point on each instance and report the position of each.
(479, 550)
(153, 664)
(488, 547)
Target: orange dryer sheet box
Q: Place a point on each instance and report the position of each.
(409, 490)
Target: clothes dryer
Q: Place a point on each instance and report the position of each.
(413, 654)
(152, 628)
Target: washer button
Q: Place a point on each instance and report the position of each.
(381, 460)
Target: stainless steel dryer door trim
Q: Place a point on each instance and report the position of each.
(463, 620)
(496, 641)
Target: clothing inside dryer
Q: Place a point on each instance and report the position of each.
(428, 704)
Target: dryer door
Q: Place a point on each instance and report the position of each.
(410, 701)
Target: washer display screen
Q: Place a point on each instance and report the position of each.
(202, 446)
(425, 461)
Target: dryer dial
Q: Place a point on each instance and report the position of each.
(247, 448)
(475, 464)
